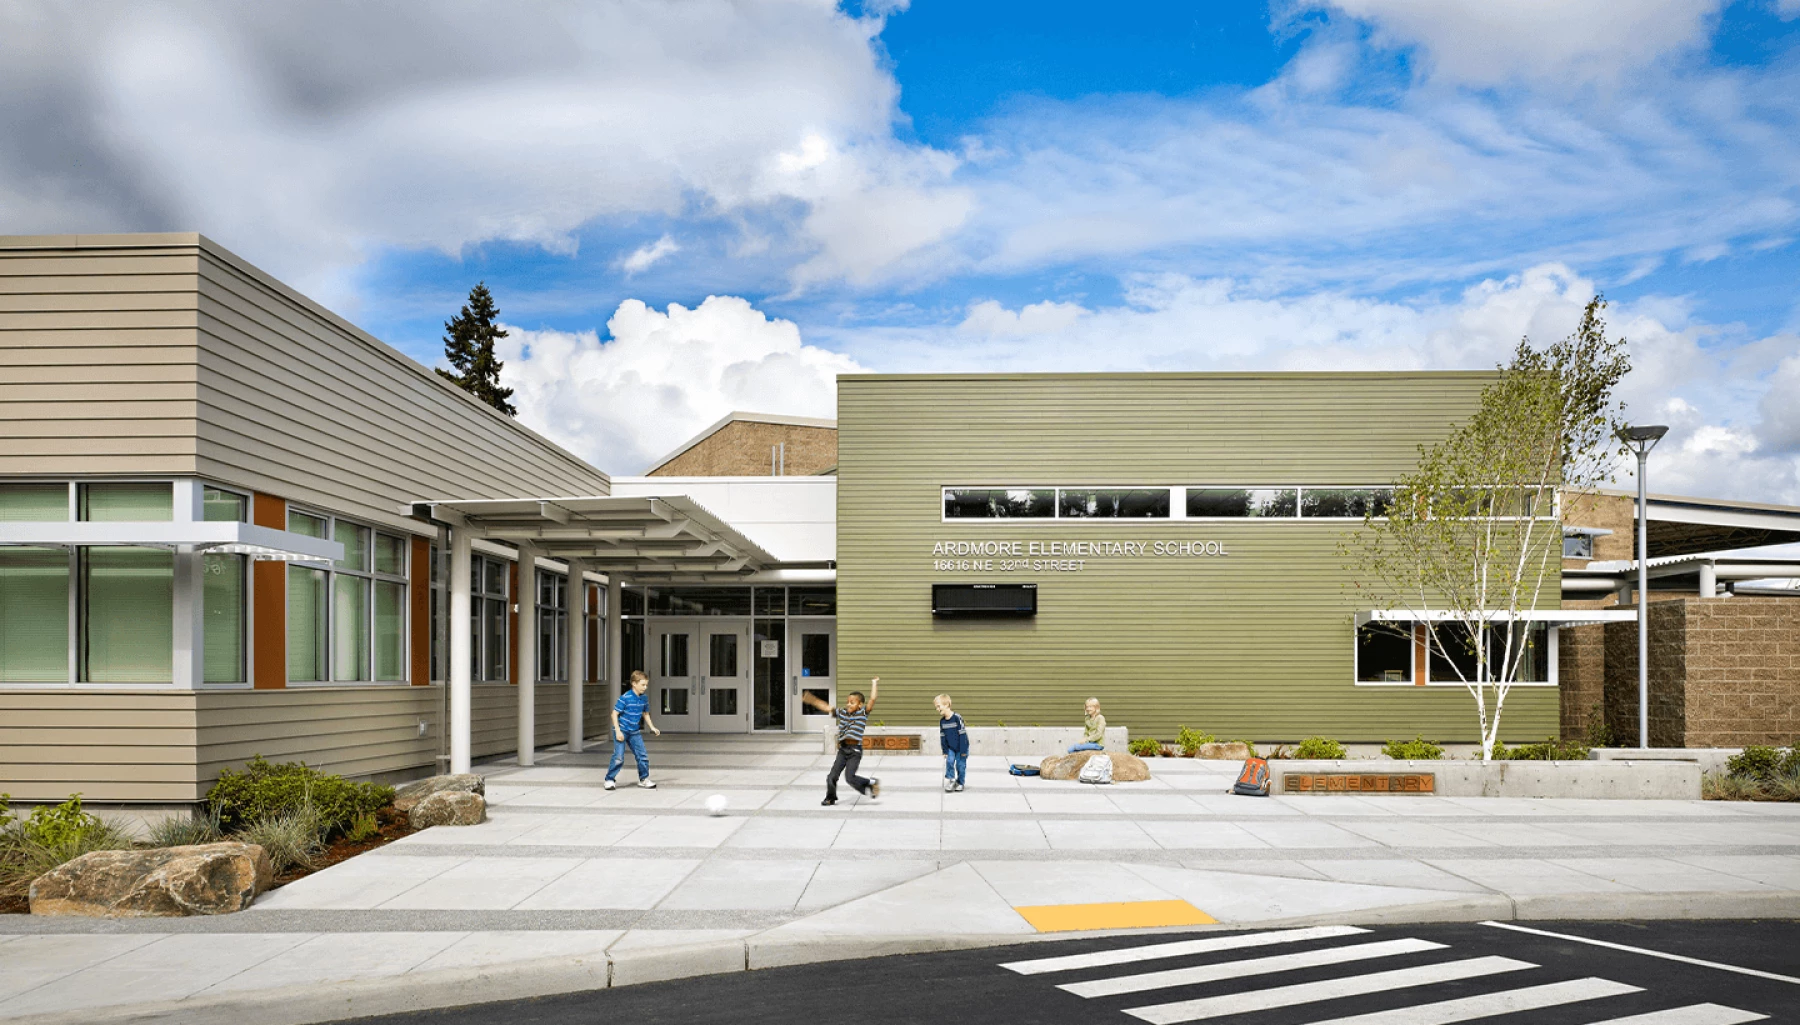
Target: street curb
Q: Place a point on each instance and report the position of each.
(420, 991)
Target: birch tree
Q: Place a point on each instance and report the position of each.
(1472, 537)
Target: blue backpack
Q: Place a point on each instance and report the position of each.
(1023, 770)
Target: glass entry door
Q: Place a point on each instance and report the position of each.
(724, 705)
(812, 665)
(674, 677)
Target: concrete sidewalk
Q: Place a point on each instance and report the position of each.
(571, 887)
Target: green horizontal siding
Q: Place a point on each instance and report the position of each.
(1257, 643)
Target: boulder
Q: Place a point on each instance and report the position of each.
(418, 790)
(1230, 751)
(1126, 768)
(167, 882)
(449, 808)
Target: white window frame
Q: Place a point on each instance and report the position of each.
(332, 570)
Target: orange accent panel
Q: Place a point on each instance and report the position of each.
(421, 611)
(268, 602)
(1421, 656)
(512, 625)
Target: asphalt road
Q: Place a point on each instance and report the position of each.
(1421, 975)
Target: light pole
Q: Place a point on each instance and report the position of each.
(1641, 440)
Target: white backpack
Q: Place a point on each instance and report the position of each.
(1097, 770)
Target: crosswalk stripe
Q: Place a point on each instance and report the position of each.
(1531, 998)
(1156, 951)
(1693, 1014)
(1647, 952)
(1249, 966)
(1328, 989)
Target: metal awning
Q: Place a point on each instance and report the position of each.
(646, 539)
(209, 536)
(1553, 617)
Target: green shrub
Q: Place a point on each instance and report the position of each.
(1551, 750)
(1715, 786)
(7, 818)
(1145, 747)
(1190, 740)
(1790, 762)
(1758, 762)
(1319, 747)
(291, 838)
(1416, 749)
(363, 827)
(185, 832)
(53, 834)
(266, 789)
(1785, 787)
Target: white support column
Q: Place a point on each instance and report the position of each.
(461, 648)
(189, 661)
(527, 654)
(1709, 580)
(615, 635)
(577, 663)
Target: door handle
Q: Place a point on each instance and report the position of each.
(703, 686)
(796, 680)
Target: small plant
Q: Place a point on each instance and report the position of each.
(363, 827)
(7, 818)
(1144, 747)
(293, 838)
(1277, 754)
(183, 832)
(1716, 786)
(999, 722)
(1190, 741)
(1758, 762)
(1551, 750)
(1320, 748)
(1599, 732)
(1785, 787)
(265, 789)
(1416, 749)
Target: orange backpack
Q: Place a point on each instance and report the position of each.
(1254, 780)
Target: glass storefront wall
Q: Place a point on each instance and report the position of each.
(772, 612)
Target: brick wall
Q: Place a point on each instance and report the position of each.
(1581, 676)
(741, 449)
(1724, 672)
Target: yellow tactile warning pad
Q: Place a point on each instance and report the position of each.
(1133, 914)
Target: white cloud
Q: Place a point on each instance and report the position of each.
(1484, 42)
(644, 257)
(1711, 393)
(661, 377)
(311, 134)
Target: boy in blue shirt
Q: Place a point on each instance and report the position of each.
(630, 714)
(953, 738)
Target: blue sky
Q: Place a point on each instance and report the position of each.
(1003, 185)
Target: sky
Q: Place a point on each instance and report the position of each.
(685, 208)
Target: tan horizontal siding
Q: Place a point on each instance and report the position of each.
(494, 728)
(131, 745)
(109, 368)
(352, 731)
(1257, 643)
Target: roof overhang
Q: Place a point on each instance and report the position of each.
(1553, 617)
(217, 538)
(644, 539)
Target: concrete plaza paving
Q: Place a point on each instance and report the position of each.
(569, 886)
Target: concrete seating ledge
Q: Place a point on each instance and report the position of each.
(1653, 780)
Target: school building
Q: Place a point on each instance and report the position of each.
(231, 523)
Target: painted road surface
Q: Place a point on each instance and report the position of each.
(1555, 973)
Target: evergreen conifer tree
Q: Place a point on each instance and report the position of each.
(469, 346)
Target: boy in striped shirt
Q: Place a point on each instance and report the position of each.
(852, 722)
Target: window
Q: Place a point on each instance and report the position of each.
(34, 503)
(1241, 503)
(812, 601)
(1384, 653)
(674, 660)
(1578, 546)
(553, 626)
(1136, 503)
(347, 623)
(769, 687)
(34, 610)
(222, 610)
(127, 503)
(1345, 503)
(218, 506)
(770, 601)
(127, 615)
(488, 615)
(698, 601)
(722, 655)
(1530, 643)
(815, 654)
(999, 503)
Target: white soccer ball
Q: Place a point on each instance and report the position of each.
(716, 804)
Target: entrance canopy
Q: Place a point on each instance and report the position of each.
(643, 539)
(219, 538)
(1552, 617)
